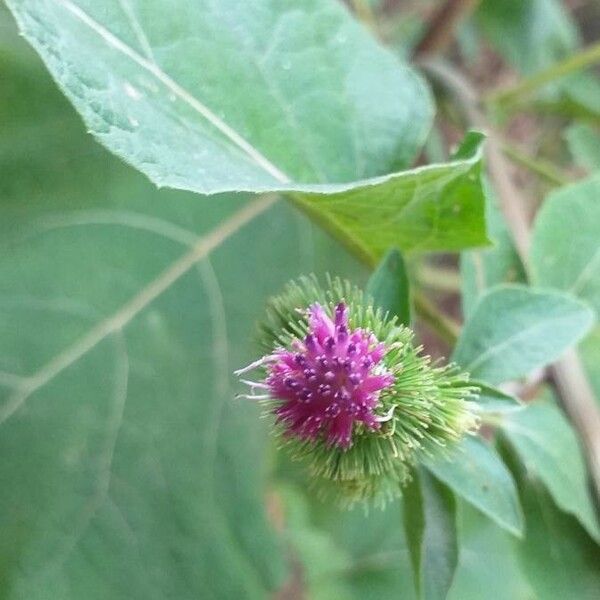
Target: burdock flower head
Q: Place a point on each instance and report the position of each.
(350, 395)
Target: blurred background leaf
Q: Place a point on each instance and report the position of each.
(557, 556)
(584, 144)
(133, 472)
(515, 329)
(430, 526)
(565, 252)
(475, 472)
(530, 34)
(549, 449)
(389, 287)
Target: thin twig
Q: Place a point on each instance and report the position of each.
(446, 328)
(438, 278)
(551, 173)
(441, 27)
(572, 385)
(572, 64)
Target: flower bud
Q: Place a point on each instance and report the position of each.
(350, 395)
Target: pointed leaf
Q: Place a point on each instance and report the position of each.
(494, 401)
(430, 524)
(389, 288)
(515, 329)
(263, 96)
(549, 449)
(557, 556)
(475, 472)
(565, 252)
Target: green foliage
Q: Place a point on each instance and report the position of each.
(534, 36)
(484, 268)
(515, 329)
(547, 446)
(475, 472)
(151, 85)
(389, 288)
(129, 469)
(491, 400)
(142, 96)
(430, 524)
(557, 556)
(435, 207)
(569, 214)
(531, 34)
(488, 562)
(584, 144)
(133, 473)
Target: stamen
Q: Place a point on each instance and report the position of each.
(252, 397)
(255, 384)
(388, 415)
(257, 363)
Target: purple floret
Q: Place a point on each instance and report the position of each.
(330, 380)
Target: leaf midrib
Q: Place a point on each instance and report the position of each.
(128, 311)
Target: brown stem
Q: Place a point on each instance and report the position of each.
(446, 328)
(441, 27)
(568, 375)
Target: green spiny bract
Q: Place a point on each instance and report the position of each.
(413, 407)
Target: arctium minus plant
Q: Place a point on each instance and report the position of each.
(350, 395)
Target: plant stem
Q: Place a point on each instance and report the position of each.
(447, 329)
(571, 382)
(527, 86)
(441, 27)
(438, 278)
(544, 169)
(363, 11)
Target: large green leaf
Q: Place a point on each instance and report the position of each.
(128, 469)
(565, 252)
(515, 329)
(294, 96)
(228, 96)
(323, 561)
(475, 472)
(430, 525)
(380, 565)
(549, 449)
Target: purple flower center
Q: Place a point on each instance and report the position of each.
(330, 380)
